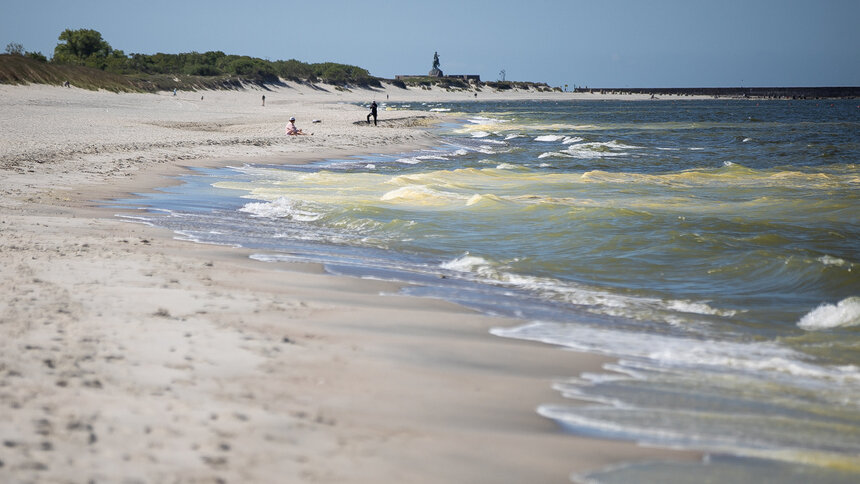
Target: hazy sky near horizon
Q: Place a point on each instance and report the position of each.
(611, 43)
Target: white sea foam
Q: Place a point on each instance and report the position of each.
(419, 195)
(282, 207)
(832, 261)
(698, 308)
(590, 151)
(681, 352)
(440, 110)
(554, 154)
(845, 313)
(186, 236)
(414, 160)
(674, 312)
(485, 120)
(599, 149)
(549, 137)
(137, 220)
(571, 139)
(513, 136)
(466, 263)
(480, 134)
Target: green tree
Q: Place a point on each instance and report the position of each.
(14, 48)
(82, 47)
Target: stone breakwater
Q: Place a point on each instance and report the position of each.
(846, 92)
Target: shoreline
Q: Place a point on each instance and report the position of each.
(126, 353)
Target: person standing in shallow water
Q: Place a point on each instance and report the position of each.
(372, 113)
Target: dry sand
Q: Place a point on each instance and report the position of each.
(128, 356)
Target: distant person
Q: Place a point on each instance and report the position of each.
(174, 91)
(292, 130)
(372, 113)
(66, 84)
(264, 99)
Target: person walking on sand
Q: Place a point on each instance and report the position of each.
(292, 130)
(372, 113)
(264, 99)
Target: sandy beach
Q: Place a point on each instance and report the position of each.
(129, 356)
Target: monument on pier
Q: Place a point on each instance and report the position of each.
(435, 71)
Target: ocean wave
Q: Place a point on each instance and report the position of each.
(703, 393)
(554, 154)
(414, 160)
(483, 199)
(549, 138)
(698, 308)
(729, 174)
(844, 314)
(666, 351)
(422, 196)
(466, 263)
(282, 207)
(832, 261)
(485, 120)
(594, 300)
(599, 149)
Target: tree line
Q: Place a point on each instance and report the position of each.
(86, 47)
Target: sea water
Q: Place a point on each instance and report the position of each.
(711, 246)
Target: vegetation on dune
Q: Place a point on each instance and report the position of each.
(426, 82)
(19, 69)
(84, 59)
(507, 85)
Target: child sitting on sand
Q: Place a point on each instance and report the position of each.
(292, 130)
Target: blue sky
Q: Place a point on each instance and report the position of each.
(613, 43)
